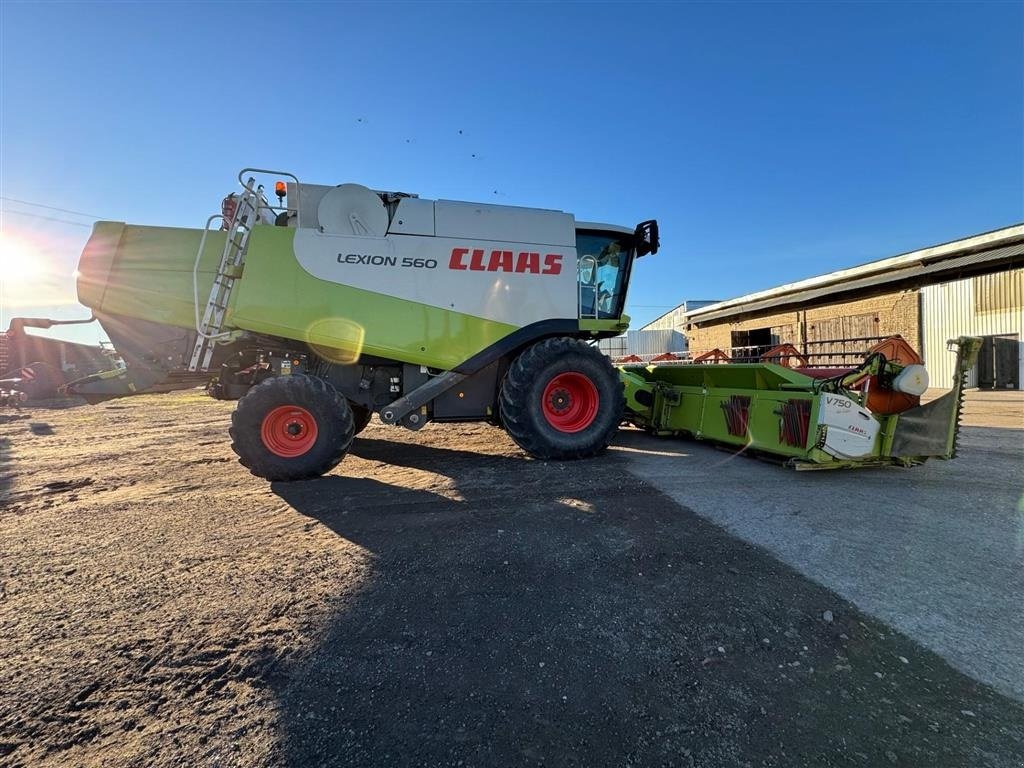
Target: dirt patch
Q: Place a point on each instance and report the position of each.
(439, 598)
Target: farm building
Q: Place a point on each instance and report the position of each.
(675, 319)
(973, 286)
(645, 344)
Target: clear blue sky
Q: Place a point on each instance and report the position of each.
(772, 141)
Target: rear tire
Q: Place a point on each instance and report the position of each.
(291, 428)
(562, 399)
(361, 417)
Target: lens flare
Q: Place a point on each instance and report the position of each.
(336, 339)
(20, 265)
(34, 272)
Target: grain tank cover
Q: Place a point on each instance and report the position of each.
(504, 223)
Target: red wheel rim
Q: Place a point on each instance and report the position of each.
(288, 431)
(570, 402)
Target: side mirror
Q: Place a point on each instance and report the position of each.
(587, 269)
(646, 237)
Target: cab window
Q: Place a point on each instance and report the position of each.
(603, 265)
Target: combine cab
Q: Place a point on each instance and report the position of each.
(340, 302)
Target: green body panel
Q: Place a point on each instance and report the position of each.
(739, 376)
(605, 326)
(146, 272)
(276, 296)
(689, 399)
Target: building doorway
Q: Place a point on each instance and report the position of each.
(749, 345)
(999, 363)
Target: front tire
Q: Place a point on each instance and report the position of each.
(562, 399)
(291, 428)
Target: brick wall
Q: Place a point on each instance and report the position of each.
(883, 315)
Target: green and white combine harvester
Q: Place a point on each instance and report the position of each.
(340, 302)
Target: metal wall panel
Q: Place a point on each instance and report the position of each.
(613, 347)
(655, 342)
(988, 305)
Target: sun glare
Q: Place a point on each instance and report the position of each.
(19, 264)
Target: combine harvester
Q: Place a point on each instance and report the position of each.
(345, 302)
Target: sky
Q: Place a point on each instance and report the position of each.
(772, 141)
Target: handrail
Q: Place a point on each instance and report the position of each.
(246, 215)
(298, 186)
(580, 285)
(195, 277)
(819, 342)
(258, 195)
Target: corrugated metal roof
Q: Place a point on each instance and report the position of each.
(947, 258)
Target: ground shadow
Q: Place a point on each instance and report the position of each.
(569, 614)
(6, 470)
(55, 404)
(38, 428)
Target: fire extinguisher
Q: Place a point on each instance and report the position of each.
(228, 208)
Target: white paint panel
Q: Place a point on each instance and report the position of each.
(504, 222)
(414, 216)
(851, 431)
(506, 297)
(988, 305)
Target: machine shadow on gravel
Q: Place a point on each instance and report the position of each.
(6, 467)
(569, 614)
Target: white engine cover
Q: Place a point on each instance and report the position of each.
(851, 429)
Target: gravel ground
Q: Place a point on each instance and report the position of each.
(439, 599)
(936, 551)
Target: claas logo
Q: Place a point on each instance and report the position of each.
(477, 260)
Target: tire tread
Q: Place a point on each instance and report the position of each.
(334, 420)
(517, 399)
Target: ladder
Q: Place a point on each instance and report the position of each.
(211, 328)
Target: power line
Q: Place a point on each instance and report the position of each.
(49, 218)
(49, 207)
